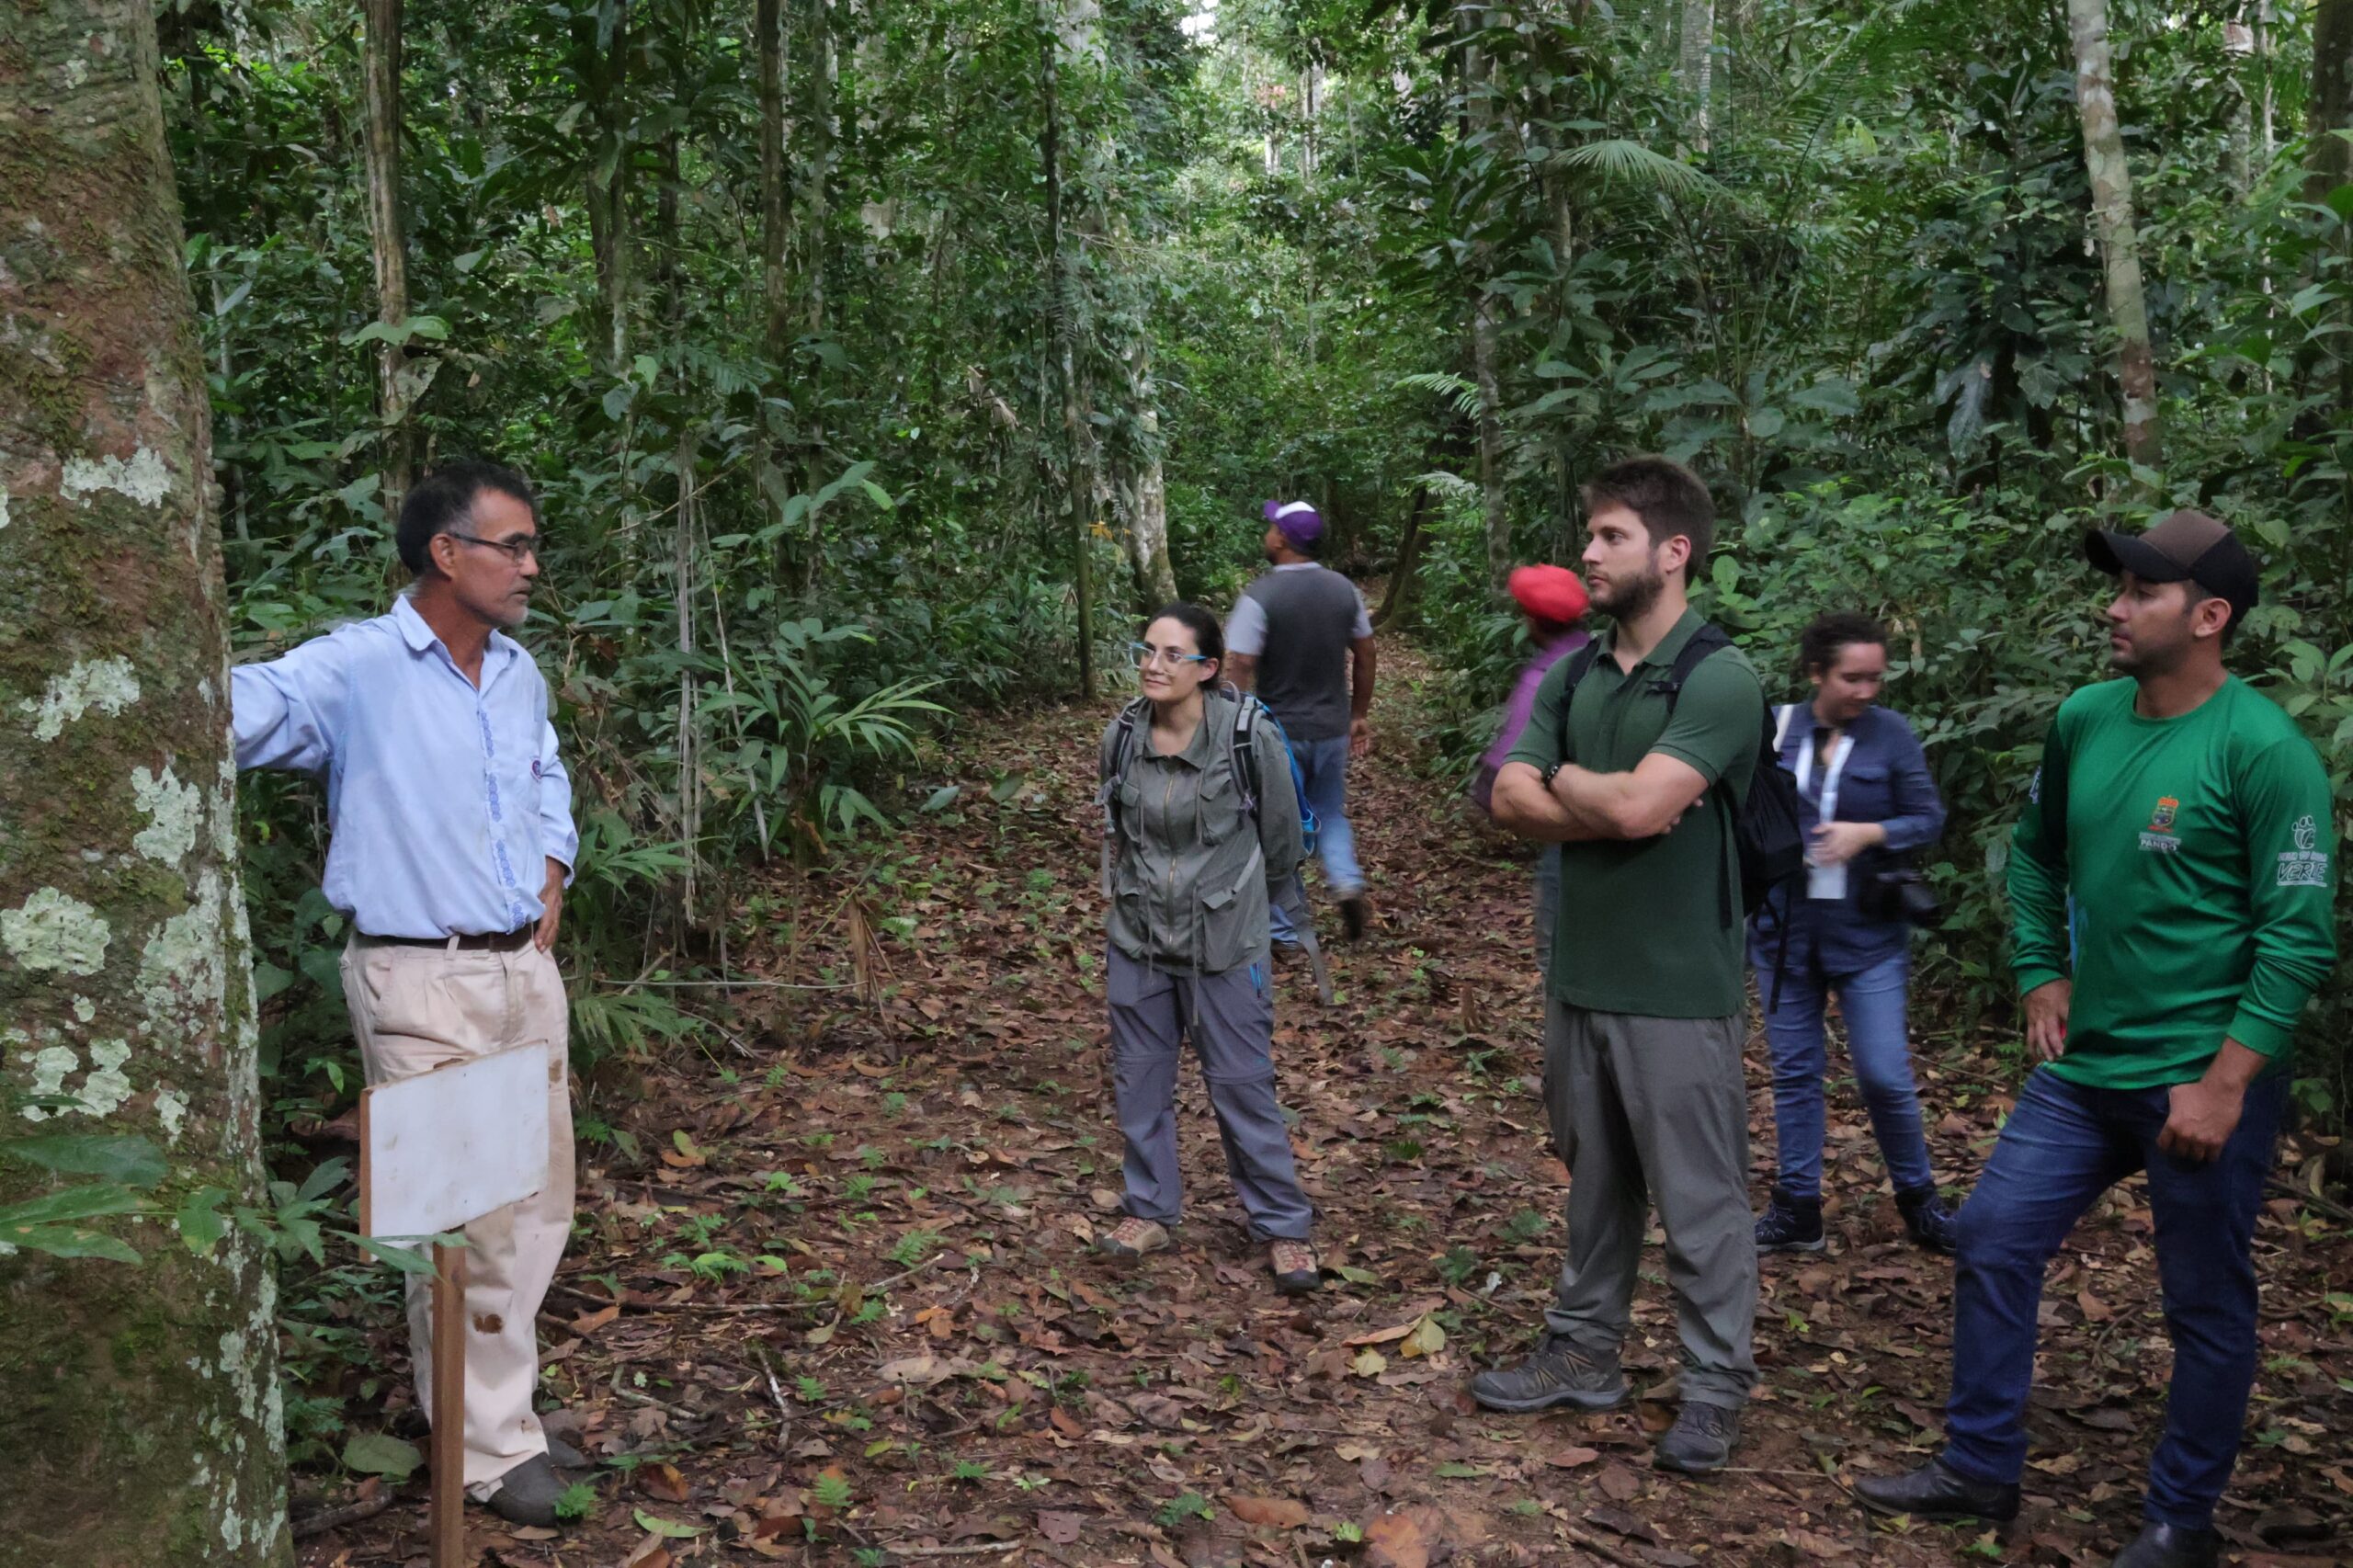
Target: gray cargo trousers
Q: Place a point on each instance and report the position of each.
(1231, 1020)
(1656, 1110)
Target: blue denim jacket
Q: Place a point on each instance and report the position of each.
(1886, 781)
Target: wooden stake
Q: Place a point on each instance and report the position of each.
(450, 1408)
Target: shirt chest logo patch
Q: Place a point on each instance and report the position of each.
(2304, 866)
(2158, 837)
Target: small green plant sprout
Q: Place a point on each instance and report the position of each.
(1188, 1506)
(972, 1470)
(914, 1247)
(830, 1491)
(577, 1502)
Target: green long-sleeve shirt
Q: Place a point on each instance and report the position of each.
(2184, 865)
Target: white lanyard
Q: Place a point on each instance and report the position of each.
(1823, 882)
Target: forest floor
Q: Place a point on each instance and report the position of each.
(831, 1299)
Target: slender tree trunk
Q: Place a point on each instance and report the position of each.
(142, 1399)
(2329, 163)
(380, 70)
(1479, 117)
(607, 194)
(775, 244)
(817, 226)
(1698, 63)
(1404, 575)
(2111, 181)
(1078, 485)
(1495, 504)
(776, 212)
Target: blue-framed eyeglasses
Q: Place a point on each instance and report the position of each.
(1142, 653)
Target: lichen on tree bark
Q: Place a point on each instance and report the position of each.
(143, 1426)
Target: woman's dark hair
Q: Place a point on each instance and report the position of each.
(1819, 644)
(1207, 636)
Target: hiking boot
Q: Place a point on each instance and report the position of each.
(1557, 1373)
(1701, 1440)
(1133, 1237)
(563, 1456)
(1932, 1225)
(1936, 1491)
(1790, 1224)
(527, 1493)
(1355, 915)
(2171, 1546)
(1297, 1272)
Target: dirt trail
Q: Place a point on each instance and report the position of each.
(860, 1322)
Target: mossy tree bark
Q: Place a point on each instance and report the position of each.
(144, 1423)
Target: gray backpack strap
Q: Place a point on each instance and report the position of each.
(1107, 790)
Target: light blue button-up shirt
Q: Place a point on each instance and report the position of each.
(444, 801)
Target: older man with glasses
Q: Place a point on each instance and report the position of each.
(450, 844)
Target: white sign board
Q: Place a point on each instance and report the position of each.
(454, 1145)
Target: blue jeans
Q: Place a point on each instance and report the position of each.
(1323, 768)
(1873, 1005)
(2062, 1147)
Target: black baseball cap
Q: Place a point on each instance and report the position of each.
(2182, 547)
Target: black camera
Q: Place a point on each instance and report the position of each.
(1901, 892)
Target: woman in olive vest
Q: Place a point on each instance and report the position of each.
(1203, 829)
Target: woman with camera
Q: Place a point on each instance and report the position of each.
(1866, 802)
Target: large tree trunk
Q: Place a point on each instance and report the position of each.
(776, 212)
(143, 1420)
(379, 69)
(1143, 485)
(1078, 483)
(1698, 63)
(2111, 180)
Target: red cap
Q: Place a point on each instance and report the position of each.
(1549, 593)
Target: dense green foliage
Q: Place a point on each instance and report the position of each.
(1860, 294)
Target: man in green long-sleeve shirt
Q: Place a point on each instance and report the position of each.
(2172, 881)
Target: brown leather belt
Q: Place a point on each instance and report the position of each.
(485, 942)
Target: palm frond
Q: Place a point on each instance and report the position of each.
(1458, 391)
(1618, 159)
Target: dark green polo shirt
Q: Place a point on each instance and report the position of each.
(1642, 927)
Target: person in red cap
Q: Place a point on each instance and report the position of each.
(1554, 601)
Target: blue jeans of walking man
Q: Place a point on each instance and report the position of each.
(2064, 1146)
(1872, 1002)
(1323, 768)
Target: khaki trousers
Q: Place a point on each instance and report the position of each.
(416, 1008)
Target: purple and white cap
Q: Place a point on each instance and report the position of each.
(1296, 520)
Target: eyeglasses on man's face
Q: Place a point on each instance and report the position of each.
(521, 548)
(1144, 653)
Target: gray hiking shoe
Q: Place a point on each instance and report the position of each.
(527, 1493)
(1701, 1440)
(1559, 1372)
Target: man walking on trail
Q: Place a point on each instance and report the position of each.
(2171, 883)
(1645, 1005)
(1301, 634)
(451, 842)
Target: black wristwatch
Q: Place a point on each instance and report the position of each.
(1551, 773)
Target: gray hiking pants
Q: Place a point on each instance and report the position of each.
(1231, 1020)
(1654, 1110)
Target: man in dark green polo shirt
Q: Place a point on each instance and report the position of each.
(2172, 880)
(1643, 1016)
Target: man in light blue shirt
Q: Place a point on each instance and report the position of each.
(451, 842)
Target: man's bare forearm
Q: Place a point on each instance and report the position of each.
(1523, 805)
(1360, 687)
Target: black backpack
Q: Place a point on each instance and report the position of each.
(1765, 825)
